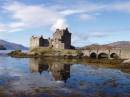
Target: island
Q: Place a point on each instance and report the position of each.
(58, 46)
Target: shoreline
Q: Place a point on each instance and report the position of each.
(47, 52)
(19, 54)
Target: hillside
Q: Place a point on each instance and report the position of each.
(11, 46)
(96, 46)
(2, 47)
(118, 44)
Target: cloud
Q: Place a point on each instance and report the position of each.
(9, 28)
(86, 17)
(87, 7)
(98, 34)
(60, 24)
(25, 16)
(28, 16)
(82, 9)
(122, 6)
(71, 11)
(3, 27)
(94, 35)
(84, 37)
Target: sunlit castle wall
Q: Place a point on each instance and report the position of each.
(34, 42)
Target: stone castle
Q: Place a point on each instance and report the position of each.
(61, 40)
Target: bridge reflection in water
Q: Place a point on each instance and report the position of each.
(60, 71)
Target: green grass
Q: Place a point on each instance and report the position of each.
(50, 51)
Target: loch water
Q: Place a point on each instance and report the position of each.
(39, 77)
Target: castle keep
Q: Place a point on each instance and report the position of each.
(61, 40)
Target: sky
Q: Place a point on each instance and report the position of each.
(89, 21)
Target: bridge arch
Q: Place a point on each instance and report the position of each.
(114, 55)
(103, 56)
(93, 55)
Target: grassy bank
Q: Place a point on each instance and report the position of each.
(55, 52)
(47, 52)
(19, 54)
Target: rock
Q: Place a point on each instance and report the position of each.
(126, 61)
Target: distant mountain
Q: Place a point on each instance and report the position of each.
(11, 46)
(96, 46)
(2, 47)
(118, 44)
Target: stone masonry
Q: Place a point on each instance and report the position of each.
(61, 40)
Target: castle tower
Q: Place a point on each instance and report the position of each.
(34, 42)
(38, 42)
(61, 39)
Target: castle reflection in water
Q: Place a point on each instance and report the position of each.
(60, 71)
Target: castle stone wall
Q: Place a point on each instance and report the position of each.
(38, 42)
(61, 40)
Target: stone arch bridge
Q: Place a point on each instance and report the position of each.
(113, 53)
